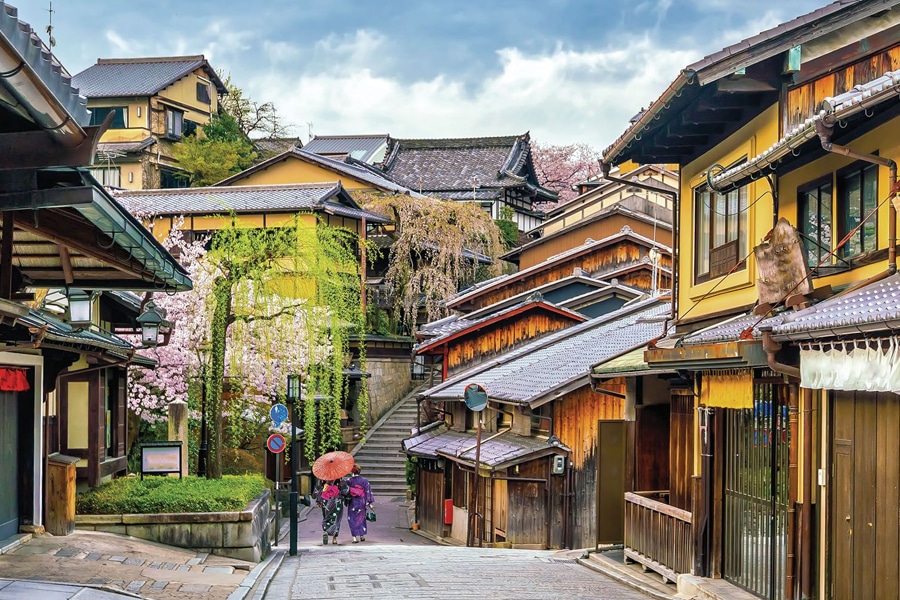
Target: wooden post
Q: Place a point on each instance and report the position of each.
(178, 427)
(61, 494)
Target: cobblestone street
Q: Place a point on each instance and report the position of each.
(382, 571)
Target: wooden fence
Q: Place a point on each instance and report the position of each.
(658, 535)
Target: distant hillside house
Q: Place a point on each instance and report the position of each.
(153, 103)
(370, 149)
(491, 171)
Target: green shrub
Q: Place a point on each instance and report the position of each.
(411, 462)
(131, 495)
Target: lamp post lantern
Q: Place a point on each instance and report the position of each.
(293, 397)
(203, 452)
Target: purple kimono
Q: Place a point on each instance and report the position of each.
(360, 497)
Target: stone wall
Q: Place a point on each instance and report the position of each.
(245, 535)
(390, 381)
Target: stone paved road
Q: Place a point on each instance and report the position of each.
(380, 571)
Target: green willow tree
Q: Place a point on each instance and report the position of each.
(431, 255)
(309, 272)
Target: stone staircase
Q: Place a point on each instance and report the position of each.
(379, 457)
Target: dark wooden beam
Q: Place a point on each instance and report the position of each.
(711, 115)
(38, 150)
(66, 264)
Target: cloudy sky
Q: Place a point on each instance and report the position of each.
(567, 70)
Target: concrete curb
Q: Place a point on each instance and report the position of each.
(82, 586)
(624, 579)
(268, 567)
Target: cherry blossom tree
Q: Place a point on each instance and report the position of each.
(265, 303)
(560, 167)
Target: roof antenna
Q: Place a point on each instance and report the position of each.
(51, 41)
(309, 127)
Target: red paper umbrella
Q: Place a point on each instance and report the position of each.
(333, 465)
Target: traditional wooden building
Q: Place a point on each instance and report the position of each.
(493, 172)
(603, 209)
(152, 103)
(787, 138)
(61, 231)
(624, 256)
(467, 342)
(543, 391)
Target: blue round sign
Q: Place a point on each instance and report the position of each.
(275, 443)
(279, 414)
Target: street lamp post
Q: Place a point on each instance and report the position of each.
(203, 453)
(293, 396)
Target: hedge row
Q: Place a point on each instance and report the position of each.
(131, 495)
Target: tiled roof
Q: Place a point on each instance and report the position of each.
(326, 197)
(530, 303)
(460, 165)
(547, 288)
(625, 233)
(497, 451)
(122, 147)
(731, 329)
(561, 361)
(272, 146)
(630, 365)
(869, 309)
(39, 59)
(354, 171)
(361, 147)
(443, 327)
(125, 77)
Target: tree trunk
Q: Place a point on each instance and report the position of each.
(218, 336)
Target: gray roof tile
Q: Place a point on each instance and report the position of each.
(872, 308)
(137, 76)
(216, 200)
(361, 147)
(504, 449)
(730, 330)
(29, 46)
(532, 372)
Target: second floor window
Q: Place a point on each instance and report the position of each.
(857, 196)
(174, 123)
(720, 232)
(815, 220)
(120, 116)
(203, 93)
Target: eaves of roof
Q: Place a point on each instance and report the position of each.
(625, 233)
(475, 325)
(542, 289)
(548, 368)
(747, 52)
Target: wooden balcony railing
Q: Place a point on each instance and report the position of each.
(658, 535)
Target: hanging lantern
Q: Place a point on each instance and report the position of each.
(150, 320)
(81, 309)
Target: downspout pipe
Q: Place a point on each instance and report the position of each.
(676, 223)
(824, 132)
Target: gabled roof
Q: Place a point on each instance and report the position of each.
(350, 169)
(732, 330)
(644, 140)
(497, 452)
(578, 279)
(330, 198)
(461, 168)
(127, 77)
(365, 148)
(589, 246)
(467, 326)
(559, 363)
(867, 310)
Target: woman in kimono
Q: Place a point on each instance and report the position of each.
(361, 500)
(330, 497)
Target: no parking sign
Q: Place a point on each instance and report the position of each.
(275, 443)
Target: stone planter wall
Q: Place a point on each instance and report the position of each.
(245, 535)
(390, 381)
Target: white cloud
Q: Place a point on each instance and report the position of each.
(117, 42)
(563, 96)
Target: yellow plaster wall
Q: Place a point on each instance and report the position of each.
(137, 120)
(184, 93)
(738, 288)
(882, 141)
(294, 170)
(78, 397)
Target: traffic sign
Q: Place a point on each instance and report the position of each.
(275, 443)
(476, 397)
(279, 414)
